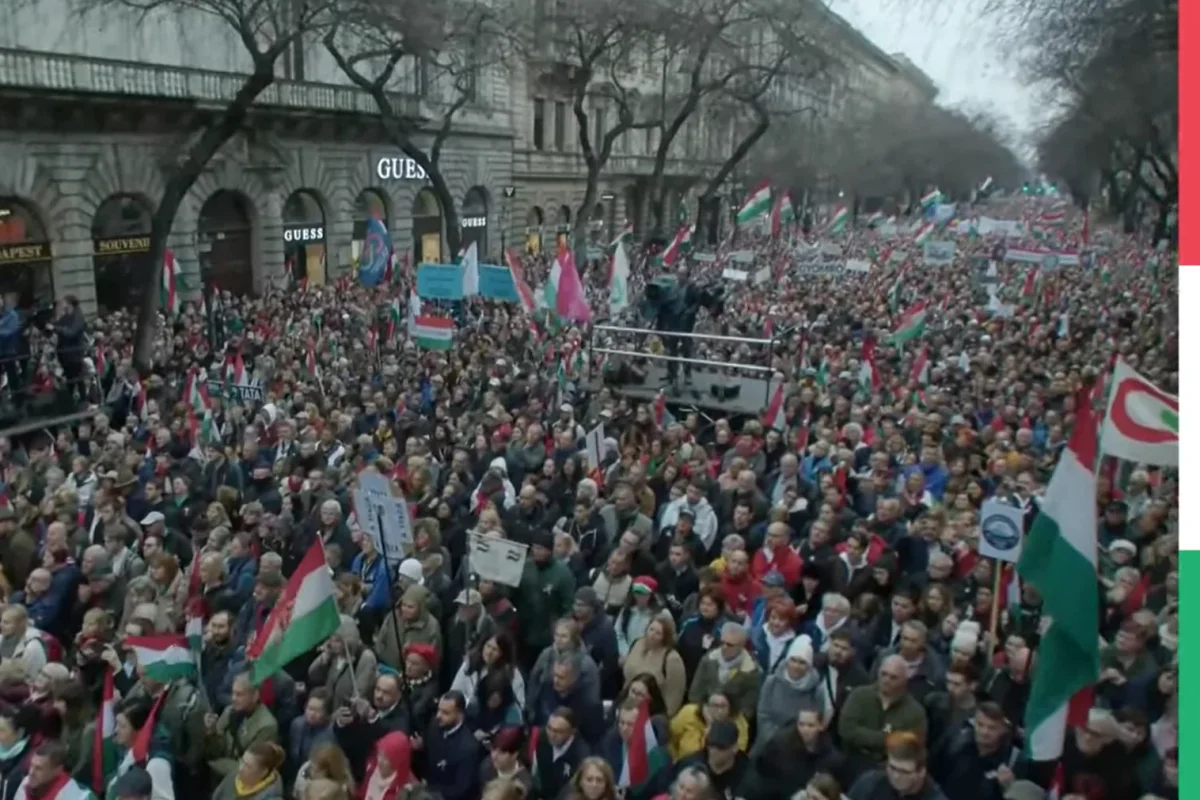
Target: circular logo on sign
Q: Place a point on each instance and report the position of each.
(1000, 532)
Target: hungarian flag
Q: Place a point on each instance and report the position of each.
(523, 292)
(679, 245)
(139, 751)
(930, 198)
(757, 203)
(163, 658)
(924, 232)
(1059, 558)
(910, 326)
(868, 373)
(304, 617)
(104, 747)
(644, 756)
(839, 220)
(618, 282)
(168, 294)
(775, 416)
(1030, 287)
(782, 213)
(662, 417)
(1141, 423)
(624, 236)
(433, 333)
(920, 367)
(310, 359)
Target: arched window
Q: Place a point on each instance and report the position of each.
(120, 251)
(226, 242)
(26, 276)
(427, 228)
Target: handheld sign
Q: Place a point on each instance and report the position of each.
(1001, 528)
(497, 560)
(381, 516)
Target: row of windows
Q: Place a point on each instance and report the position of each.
(713, 136)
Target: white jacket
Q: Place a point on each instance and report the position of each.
(31, 652)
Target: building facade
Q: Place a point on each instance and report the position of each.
(91, 111)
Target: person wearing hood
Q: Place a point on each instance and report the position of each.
(785, 763)
(795, 684)
(414, 624)
(494, 486)
(344, 667)
(545, 595)
(256, 777)
(599, 637)
(389, 774)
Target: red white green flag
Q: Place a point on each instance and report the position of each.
(757, 204)
(1141, 423)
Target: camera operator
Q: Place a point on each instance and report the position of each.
(679, 314)
(71, 330)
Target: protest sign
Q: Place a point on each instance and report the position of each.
(497, 560)
(381, 516)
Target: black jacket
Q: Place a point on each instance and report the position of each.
(785, 766)
(549, 775)
(452, 762)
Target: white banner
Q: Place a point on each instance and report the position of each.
(731, 274)
(497, 560)
(858, 265)
(939, 253)
(594, 446)
(382, 516)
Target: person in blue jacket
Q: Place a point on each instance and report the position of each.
(242, 568)
(371, 568)
(452, 754)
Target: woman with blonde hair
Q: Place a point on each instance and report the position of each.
(256, 777)
(322, 789)
(654, 654)
(326, 762)
(594, 780)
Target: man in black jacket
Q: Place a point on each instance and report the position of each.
(452, 754)
(70, 329)
(558, 752)
(792, 757)
(978, 761)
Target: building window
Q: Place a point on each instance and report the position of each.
(648, 142)
(468, 82)
(601, 128)
(421, 77)
(560, 126)
(539, 123)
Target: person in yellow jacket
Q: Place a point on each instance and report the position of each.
(689, 727)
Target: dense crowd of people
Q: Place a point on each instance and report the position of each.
(722, 608)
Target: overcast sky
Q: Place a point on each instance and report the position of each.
(955, 44)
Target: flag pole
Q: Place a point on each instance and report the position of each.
(392, 594)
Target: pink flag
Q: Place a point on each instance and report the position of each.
(570, 302)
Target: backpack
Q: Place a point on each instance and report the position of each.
(52, 646)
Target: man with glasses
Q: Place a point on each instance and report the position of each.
(729, 668)
(557, 753)
(874, 712)
(903, 776)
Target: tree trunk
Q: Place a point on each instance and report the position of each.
(740, 152)
(178, 185)
(579, 227)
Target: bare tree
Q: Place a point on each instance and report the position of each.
(449, 49)
(1118, 125)
(266, 28)
(590, 52)
(703, 51)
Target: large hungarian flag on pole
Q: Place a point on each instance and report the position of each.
(757, 203)
(1142, 421)
(1059, 558)
(303, 617)
(163, 658)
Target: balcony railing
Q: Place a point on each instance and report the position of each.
(54, 72)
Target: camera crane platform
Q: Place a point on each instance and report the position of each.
(634, 372)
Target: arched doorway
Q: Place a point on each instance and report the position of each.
(563, 230)
(533, 230)
(427, 228)
(474, 219)
(371, 204)
(227, 248)
(26, 275)
(304, 237)
(120, 251)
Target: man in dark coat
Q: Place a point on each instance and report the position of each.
(558, 752)
(452, 753)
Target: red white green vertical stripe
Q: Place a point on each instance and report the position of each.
(644, 756)
(1059, 558)
(932, 197)
(524, 293)
(775, 416)
(104, 752)
(910, 326)
(782, 213)
(168, 291)
(924, 232)
(679, 245)
(757, 204)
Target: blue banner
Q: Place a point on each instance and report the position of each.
(376, 252)
(496, 283)
(440, 282)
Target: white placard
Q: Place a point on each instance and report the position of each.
(374, 502)
(939, 253)
(762, 276)
(593, 446)
(497, 560)
(858, 265)
(731, 274)
(1001, 529)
